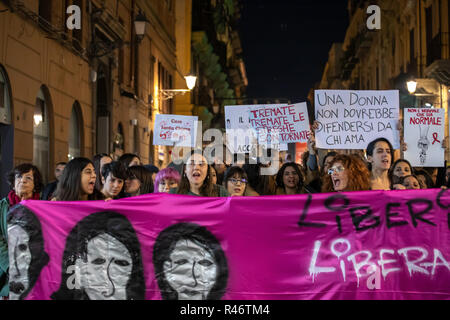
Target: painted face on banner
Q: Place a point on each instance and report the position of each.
(108, 268)
(19, 261)
(191, 271)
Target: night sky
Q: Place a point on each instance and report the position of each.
(286, 44)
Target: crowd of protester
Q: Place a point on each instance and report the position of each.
(105, 179)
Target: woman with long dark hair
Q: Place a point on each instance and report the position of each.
(77, 182)
(139, 181)
(99, 161)
(290, 180)
(235, 181)
(130, 159)
(196, 179)
(400, 169)
(380, 155)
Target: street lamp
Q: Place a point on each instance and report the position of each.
(190, 81)
(99, 48)
(167, 94)
(412, 86)
(140, 23)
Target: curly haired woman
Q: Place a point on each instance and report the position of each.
(346, 173)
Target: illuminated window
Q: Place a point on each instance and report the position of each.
(74, 133)
(41, 149)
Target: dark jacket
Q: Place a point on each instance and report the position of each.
(49, 190)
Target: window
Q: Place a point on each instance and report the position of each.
(45, 13)
(74, 133)
(41, 156)
(5, 109)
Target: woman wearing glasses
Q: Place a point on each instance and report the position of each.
(347, 173)
(235, 181)
(290, 180)
(25, 182)
(196, 178)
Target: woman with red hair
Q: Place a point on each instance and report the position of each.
(346, 173)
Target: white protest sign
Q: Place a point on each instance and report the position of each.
(352, 119)
(240, 136)
(280, 124)
(424, 133)
(170, 130)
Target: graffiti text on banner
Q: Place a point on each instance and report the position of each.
(358, 245)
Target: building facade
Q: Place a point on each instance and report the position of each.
(412, 44)
(68, 92)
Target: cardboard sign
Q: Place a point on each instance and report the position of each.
(344, 246)
(175, 130)
(280, 123)
(241, 137)
(353, 119)
(424, 133)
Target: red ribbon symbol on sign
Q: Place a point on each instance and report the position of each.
(435, 137)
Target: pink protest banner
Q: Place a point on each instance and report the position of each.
(361, 245)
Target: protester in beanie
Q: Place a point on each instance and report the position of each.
(129, 160)
(400, 169)
(99, 161)
(25, 182)
(50, 188)
(235, 181)
(425, 180)
(139, 181)
(346, 173)
(114, 175)
(166, 179)
(290, 180)
(410, 182)
(196, 179)
(380, 156)
(77, 182)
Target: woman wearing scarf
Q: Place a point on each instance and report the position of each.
(25, 183)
